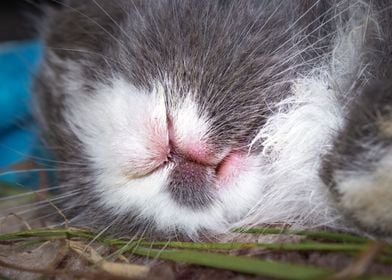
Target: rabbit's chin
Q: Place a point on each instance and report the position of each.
(150, 198)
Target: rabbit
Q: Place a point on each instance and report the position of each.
(194, 117)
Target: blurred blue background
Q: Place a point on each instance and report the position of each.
(18, 63)
(20, 55)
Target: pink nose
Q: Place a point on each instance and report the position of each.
(197, 161)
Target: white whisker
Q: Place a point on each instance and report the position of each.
(48, 189)
(42, 203)
(38, 170)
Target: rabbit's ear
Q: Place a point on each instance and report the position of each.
(358, 168)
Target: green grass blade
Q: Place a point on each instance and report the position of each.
(241, 264)
(46, 233)
(333, 236)
(306, 246)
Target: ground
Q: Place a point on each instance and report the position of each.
(69, 254)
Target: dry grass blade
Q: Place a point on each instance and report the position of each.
(117, 269)
(362, 262)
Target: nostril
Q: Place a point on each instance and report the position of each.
(170, 129)
(169, 156)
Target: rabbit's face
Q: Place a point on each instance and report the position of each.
(164, 159)
(163, 116)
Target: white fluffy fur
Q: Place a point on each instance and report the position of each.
(125, 121)
(294, 139)
(190, 126)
